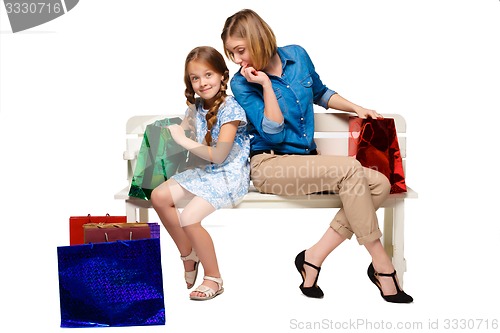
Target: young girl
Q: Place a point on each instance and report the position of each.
(277, 87)
(218, 122)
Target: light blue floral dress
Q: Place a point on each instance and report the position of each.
(225, 184)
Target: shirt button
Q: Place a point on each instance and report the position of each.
(297, 101)
(302, 119)
(304, 134)
(288, 87)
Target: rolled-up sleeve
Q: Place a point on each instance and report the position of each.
(323, 101)
(272, 127)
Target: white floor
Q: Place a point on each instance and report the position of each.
(256, 250)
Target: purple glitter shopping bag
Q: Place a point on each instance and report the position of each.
(111, 284)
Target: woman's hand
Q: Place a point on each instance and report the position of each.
(338, 102)
(254, 76)
(367, 113)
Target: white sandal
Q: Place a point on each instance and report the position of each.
(190, 276)
(209, 292)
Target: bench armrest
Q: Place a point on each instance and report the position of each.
(130, 155)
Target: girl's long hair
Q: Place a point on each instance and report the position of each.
(215, 61)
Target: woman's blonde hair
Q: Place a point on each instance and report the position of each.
(249, 26)
(215, 61)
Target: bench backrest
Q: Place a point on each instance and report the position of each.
(331, 134)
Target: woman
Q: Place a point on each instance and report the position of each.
(277, 87)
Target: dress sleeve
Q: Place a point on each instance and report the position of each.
(232, 111)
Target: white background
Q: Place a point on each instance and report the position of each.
(69, 86)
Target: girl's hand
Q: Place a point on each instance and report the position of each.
(367, 113)
(254, 76)
(177, 133)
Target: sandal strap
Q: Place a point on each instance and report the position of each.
(386, 274)
(393, 276)
(313, 266)
(214, 279)
(209, 292)
(190, 276)
(192, 256)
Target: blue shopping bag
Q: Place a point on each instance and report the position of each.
(111, 284)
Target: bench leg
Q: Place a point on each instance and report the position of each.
(393, 237)
(398, 259)
(143, 215)
(136, 213)
(130, 210)
(388, 230)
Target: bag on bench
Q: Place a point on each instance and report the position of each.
(159, 158)
(374, 143)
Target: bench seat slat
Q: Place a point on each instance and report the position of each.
(254, 199)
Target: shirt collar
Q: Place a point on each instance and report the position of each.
(285, 57)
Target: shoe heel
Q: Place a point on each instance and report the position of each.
(399, 297)
(314, 291)
(190, 277)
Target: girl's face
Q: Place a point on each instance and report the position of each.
(205, 81)
(239, 52)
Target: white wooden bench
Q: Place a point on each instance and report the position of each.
(332, 131)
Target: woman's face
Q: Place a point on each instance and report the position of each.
(238, 51)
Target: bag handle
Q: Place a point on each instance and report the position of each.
(362, 134)
(107, 238)
(90, 217)
(117, 225)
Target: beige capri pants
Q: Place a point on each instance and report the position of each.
(361, 190)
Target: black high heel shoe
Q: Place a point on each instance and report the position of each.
(399, 297)
(314, 291)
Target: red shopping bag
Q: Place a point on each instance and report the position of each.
(76, 225)
(374, 143)
(111, 232)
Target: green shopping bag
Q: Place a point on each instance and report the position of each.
(159, 158)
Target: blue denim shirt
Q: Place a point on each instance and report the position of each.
(297, 90)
